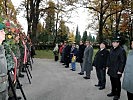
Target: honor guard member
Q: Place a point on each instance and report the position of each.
(3, 65)
(21, 47)
(15, 48)
(11, 63)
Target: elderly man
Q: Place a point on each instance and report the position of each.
(87, 60)
(3, 66)
(116, 63)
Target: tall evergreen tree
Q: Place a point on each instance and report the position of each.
(84, 38)
(77, 37)
(89, 38)
(50, 21)
(93, 39)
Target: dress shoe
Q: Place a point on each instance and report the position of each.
(23, 70)
(19, 98)
(81, 73)
(73, 70)
(66, 66)
(21, 75)
(116, 98)
(110, 94)
(18, 87)
(102, 87)
(86, 77)
(12, 98)
(97, 85)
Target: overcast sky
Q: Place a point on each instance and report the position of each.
(81, 19)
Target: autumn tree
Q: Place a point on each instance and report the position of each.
(7, 10)
(71, 37)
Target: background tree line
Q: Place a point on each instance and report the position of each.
(47, 23)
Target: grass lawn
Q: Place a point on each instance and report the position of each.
(48, 54)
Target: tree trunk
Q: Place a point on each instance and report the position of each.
(56, 29)
(100, 39)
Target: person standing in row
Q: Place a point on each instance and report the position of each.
(67, 50)
(100, 63)
(87, 60)
(116, 63)
(56, 52)
(63, 53)
(80, 56)
(128, 73)
(73, 55)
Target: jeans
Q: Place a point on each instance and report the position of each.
(73, 65)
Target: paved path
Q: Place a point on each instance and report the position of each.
(51, 81)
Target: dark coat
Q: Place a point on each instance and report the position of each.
(116, 61)
(67, 50)
(63, 55)
(100, 59)
(87, 59)
(80, 53)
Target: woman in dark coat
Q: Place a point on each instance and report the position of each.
(100, 62)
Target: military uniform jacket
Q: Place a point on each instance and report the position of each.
(3, 70)
(9, 56)
(16, 50)
(116, 61)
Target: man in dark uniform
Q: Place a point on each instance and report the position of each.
(100, 62)
(116, 63)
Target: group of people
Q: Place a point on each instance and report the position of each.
(113, 61)
(15, 51)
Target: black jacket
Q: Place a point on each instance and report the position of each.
(80, 53)
(100, 59)
(116, 61)
(67, 54)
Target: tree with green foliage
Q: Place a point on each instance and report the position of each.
(50, 19)
(93, 39)
(89, 38)
(77, 37)
(62, 31)
(84, 38)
